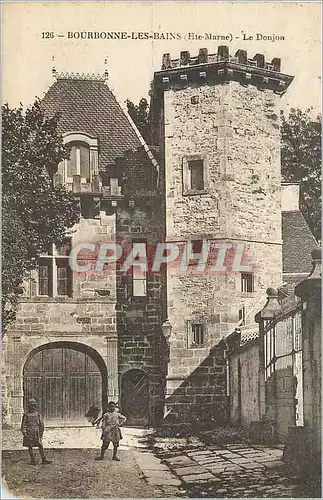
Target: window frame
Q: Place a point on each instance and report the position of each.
(45, 263)
(92, 144)
(52, 260)
(249, 275)
(186, 175)
(78, 162)
(134, 297)
(68, 279)
(194, 262)
(190, 334)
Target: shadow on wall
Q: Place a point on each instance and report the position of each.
(201, 400)
(281, 401)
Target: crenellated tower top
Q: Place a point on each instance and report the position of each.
(222, 66)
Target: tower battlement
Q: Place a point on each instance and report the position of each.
(223, 66)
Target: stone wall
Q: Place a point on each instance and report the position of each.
(139, 319)
(249, 361)
(243, 381)
(235, 402)
(235, 128)
(199, 397)
(141, 344)
(303, 446)
(85, 319)
(312, 373)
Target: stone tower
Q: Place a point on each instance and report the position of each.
(218, 131)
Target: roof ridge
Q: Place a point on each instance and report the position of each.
(65, 75)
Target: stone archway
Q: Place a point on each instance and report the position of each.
(135, 397)
(66, 378)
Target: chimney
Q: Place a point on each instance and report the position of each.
(290, 197)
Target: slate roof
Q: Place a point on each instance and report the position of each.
(90, 107)
(298, 243)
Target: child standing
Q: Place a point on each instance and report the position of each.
(32, 427)
(111, 422)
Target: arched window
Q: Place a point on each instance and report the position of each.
(83, 158)
(79, 162)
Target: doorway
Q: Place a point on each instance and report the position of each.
(66, 381)
(135, 397)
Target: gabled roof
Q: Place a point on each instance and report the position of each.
(89, 106)
(298, 243)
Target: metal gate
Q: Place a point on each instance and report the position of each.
(65, 382)
(135, 397)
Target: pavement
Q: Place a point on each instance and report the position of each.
(236, 470)
(196, 470)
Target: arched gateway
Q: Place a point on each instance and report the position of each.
(66, 378)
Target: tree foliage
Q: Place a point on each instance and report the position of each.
(301, 155)
(35, 213)
(140, 116)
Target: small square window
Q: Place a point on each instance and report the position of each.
(196, 175)
(196, 334)
(247, 282)
(139, 275)
(194, 251)
(197, 246)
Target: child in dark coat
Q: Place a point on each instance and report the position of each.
(111, 422)
(32, 427)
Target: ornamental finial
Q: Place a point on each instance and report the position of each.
(54, 73)
(106, 73)
(307, 287)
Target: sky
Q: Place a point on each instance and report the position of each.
(27, 54)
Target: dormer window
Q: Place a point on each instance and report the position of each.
(79, 162)
(83, 160)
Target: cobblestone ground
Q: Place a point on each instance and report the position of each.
(236, 470)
